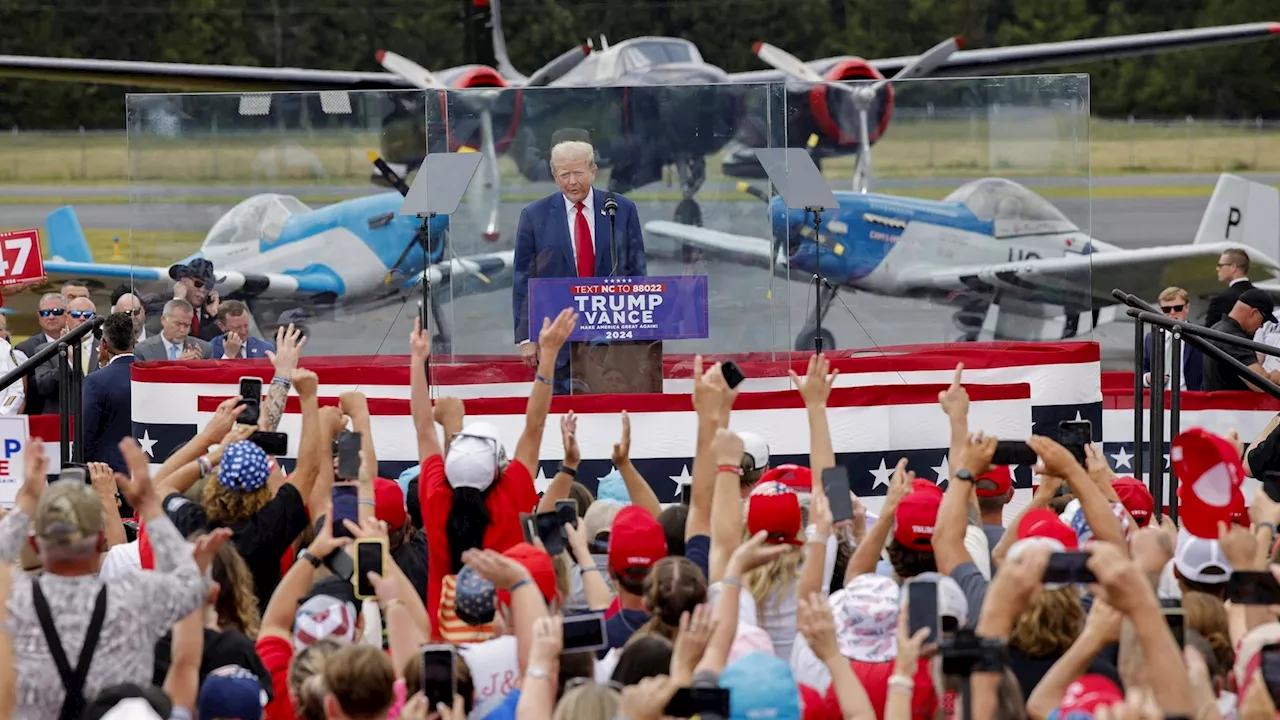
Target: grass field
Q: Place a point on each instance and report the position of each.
(1060, 145)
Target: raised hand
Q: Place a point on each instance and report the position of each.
(696, 629)
(137, 488)
(569, 437)
(449, 412)
(36, 478)
(726, 448)
(231, 344)
(419, 341)
(305, 382)
(237, 433)
(899, 486)
(368, 528)
(332, 421)
(289, 344)
(353, 403)
(622, 448)
(816, 624)
(955, 399)
(493, 566)
(816, 385)
(1054, 459)
(647, 699)
(977, 454)
(103, 480)
(555, 333)
(548, 642)
(223, 418)
(207, 547)
(190, 352)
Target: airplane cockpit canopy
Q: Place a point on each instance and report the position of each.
(254, 220)
(998, 199)
(631, 56)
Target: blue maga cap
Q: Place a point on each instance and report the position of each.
(475, 598)
(244, 467)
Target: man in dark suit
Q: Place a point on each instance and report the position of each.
(235, 343)
(1233, 269)
(566, 234)
(108, 410)
(79, 311)
(53, 325)
(195, 283)
(1175, 303)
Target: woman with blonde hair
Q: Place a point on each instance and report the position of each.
(1044, 632)
(588, 702)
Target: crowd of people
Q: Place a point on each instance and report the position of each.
(218, 586)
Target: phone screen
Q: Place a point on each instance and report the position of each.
(1013, 452)
(732, 373)
(551, 531)
(1074, 435)
(251, 394)
(346, 506)
(369, 558)
(272, 443)
(348, 455)
(835, 484)
(691, 702)
(922, 608)
(439, 684)
(584, 632)
(529, 527)
(1174, 617)
(1069, 567)
(1249, 587)
(568, 510)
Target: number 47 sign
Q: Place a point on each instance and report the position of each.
(20, 261)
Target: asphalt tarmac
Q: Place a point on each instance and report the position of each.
(750, 309)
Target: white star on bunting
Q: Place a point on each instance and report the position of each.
(147, 443)
(882, 474)
(943, 471)
(542, 482)
(684, 478)
(1122, 458)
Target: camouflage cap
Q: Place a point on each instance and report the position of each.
(68, 511)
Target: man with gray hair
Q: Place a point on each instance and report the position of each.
(175, 341)
(567, 234)
(132, 306)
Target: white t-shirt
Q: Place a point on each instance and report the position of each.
(120, 560)
(494, 666)
(975, 542)
(778, 611)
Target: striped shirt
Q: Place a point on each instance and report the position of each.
(141, 607)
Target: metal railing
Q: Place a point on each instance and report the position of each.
(70, 378)
(1198, 337)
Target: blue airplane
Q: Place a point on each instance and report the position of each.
(1009, 262)
(273, 251)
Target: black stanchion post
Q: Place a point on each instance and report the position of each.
(64, 401)
(1175, 407)
(1137, 398)
(1155, 440)
(75, 408)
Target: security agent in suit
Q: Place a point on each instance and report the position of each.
(1233, 269)
(236, 343)
(79, 310)
(566, 234)
(174, 342)
(107, 404)
(1175, 303)
(53, 325)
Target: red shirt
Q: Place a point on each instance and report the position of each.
(512, 494)
(276, 654)
(875, 680)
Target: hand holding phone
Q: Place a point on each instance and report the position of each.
(550, 529)
(349, 455)
(439, 683)
(370, 556)
(1014, 452)
(1068, 568)
(922, 608)
(251, 394)
(835, 485)
(346, 506)
(1074, 435)
(585, 633)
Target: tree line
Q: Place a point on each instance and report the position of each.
(1238, 82)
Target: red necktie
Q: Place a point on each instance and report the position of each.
(195, 322)
(582, 241)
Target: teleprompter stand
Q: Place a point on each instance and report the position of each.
(437, 189)
(792, 173)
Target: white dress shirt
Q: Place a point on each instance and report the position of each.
(1168, 364)
(571, 214)
(1268, 334)
(1237, 280)
(168, 348)
(117, 357)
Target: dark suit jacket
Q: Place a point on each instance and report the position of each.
(46, 379)
(108, 413)
(35, 399)
(208, 325)
(544, 248)
(253, 347)
(1222, 303)
(1192, 363)
(153, 348)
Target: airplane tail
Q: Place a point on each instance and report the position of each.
(66, 237)
(1243, 213)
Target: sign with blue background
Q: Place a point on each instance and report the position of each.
(646, 308)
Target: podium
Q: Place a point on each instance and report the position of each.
(622, 323)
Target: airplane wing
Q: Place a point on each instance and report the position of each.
(743, 248)
(1089, 278)
(193, 77)
(108, 277)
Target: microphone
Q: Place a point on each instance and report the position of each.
(610, 205)
(611, 209)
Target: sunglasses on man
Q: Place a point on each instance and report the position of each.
(82, 314)
(1169, 309)
(55, 312)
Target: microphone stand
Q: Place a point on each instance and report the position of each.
(610, 207)
(818, 282)
(425, 285)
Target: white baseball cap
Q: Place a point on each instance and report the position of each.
(474, 457)
(755, 446)
(1201, 560)
(952, 602)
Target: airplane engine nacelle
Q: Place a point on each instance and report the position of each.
(833, 110)
(463, 108)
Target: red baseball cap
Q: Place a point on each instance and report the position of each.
(1210, 474)
(388, 503)
(797, 477)
(1043, 522)
(914, 518)
(538, 563)
(636, 541)
(1136, 498)
(995, 483)
(1088, 693)
(775, 509)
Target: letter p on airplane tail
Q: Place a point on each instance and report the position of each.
(1245, 214)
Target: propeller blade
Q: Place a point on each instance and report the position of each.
(862, 170)
(485, 193)
(927, 61)
(560, 66)
(499, 39)
(411, 71)
(786, 62)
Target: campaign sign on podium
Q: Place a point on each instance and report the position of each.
(610, 308)
(617, 345)
(14, 432)
(20, 260)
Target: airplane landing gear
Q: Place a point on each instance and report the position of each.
(807, 334)
(692, 173)
(971, 314)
